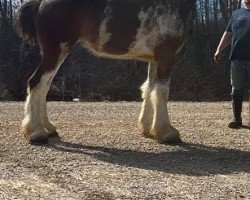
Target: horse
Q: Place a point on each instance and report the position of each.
(153, 31)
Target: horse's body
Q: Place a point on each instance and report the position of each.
(147, 30)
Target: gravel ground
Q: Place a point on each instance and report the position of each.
(101, 155)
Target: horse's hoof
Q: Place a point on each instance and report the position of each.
(174, 141)
(37, 139)
(168, 135)
(147, 135)
(53, 134)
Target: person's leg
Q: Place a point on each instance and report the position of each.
(248, 88)
(238, 80)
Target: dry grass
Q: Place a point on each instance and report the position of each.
(101, 155)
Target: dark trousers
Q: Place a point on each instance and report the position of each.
(240, 76)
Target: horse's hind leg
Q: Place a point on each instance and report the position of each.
(36, 126)
(146, 116)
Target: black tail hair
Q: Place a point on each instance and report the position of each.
(26, 20)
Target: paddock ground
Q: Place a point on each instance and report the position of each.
(101, 155)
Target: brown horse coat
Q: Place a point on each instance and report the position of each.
(149, 30)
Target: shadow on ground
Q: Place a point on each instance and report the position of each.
(189, 159)
(246, 127)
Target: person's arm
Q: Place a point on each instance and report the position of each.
(224, 42)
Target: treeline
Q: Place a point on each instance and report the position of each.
(83, 76)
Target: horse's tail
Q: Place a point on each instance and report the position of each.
(26, 20)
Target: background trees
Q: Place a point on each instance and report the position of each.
(196, 76)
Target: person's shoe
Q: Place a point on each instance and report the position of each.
(237, 107)
(235, 124)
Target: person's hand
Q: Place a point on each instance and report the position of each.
(217, 56)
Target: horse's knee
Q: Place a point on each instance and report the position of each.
(160, 93)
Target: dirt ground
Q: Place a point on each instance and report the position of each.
(101, 155)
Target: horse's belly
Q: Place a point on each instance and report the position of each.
(138, 50)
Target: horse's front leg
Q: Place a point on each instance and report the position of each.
(146, 115)
(161, 128)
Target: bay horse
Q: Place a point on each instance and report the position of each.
(148, 30)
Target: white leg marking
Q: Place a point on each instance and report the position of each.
(48, 78)
(161, 128)
(32, 123)
(146, 115)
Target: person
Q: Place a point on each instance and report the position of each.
(237, 34)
